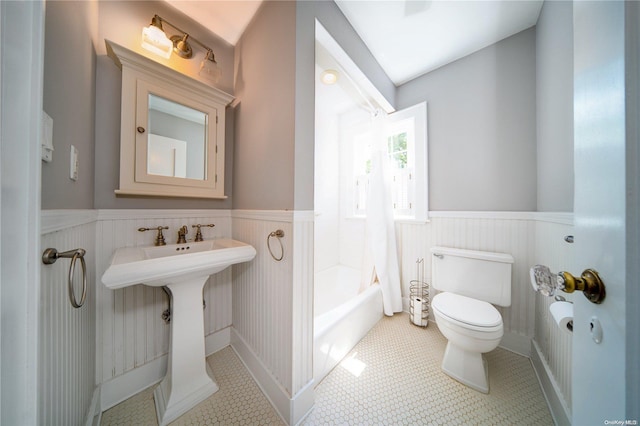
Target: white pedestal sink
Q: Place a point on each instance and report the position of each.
(184, 269)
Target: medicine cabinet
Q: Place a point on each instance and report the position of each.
(171, 133)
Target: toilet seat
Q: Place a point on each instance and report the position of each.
(468, 313)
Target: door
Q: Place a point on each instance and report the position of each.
(21, 61)
(599, 372)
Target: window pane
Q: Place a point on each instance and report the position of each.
(398, 150)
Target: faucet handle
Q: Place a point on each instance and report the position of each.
(199, 232)
(159, 241)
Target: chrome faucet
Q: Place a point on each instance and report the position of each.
(181, 234)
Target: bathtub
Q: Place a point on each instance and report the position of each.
(343, 316)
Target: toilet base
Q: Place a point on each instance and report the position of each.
(469, 368)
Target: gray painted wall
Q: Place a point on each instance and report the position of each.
(265, 109)
(69, 98)
(122, 23)
(554, 109)
(481, 127)
(274, 146)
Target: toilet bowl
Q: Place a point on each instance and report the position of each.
(470, 282)
(472, 327)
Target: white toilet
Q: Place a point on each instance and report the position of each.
(469, 282)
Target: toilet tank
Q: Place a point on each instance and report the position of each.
(481, 275)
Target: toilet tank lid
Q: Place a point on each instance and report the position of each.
(473, 254)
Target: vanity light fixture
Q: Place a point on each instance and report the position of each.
(155, 40)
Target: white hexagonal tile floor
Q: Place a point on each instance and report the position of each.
(392, 377)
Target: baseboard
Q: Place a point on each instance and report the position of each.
(120, 388)
(291, 410)
(94, 415)
(303, 402)
(557, 405)
(517, 343)
(218, 340)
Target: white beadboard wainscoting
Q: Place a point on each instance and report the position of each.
(66, 357)
(132, 339)
(531, 238)
(503, 232)
(273, 308)
(116, 345)
(552, 347)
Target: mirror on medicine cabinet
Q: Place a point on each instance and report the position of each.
(172, 131)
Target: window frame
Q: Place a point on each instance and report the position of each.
(418, 195)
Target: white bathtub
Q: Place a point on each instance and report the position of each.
(342, 316)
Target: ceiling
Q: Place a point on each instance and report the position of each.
(411, 38)
(408, 38)
(226, 18)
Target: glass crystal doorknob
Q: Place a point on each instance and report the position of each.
(543, 280)
(548, 283)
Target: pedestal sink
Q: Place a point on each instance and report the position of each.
(184, 269)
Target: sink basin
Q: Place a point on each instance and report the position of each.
(173, 263)
(183, 269)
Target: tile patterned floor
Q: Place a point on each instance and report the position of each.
(399, 383)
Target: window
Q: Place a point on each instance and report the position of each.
(407, 153)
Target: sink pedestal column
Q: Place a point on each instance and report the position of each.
(189, 380)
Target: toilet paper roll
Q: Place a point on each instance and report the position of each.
(562, 313)
(417, 311)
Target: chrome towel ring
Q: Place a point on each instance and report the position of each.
(50, 256)
(279, 233)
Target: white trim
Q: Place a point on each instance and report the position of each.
(21, 60)
(217, 340)
(564, 218)
(265, 215)
(557, 405)
(353, 72)
(122, 387)
(57, 220)
(291, 409)
(483, 215)
(275, 393)
(303, 215)
(517, 343)
(303, 402)
(124, 214)
(94, 415)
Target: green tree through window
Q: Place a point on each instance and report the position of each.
(397, 148)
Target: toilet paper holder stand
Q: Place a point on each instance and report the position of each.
(547, 283)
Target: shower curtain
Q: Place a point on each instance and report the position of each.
(381, 255)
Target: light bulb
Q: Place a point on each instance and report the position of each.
(209, 68)
(155, 40)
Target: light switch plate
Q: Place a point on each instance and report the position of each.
(47, 137)
(73, 164)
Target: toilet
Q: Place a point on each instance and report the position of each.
(469, 283)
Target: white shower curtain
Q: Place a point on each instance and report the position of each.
(381, 255)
